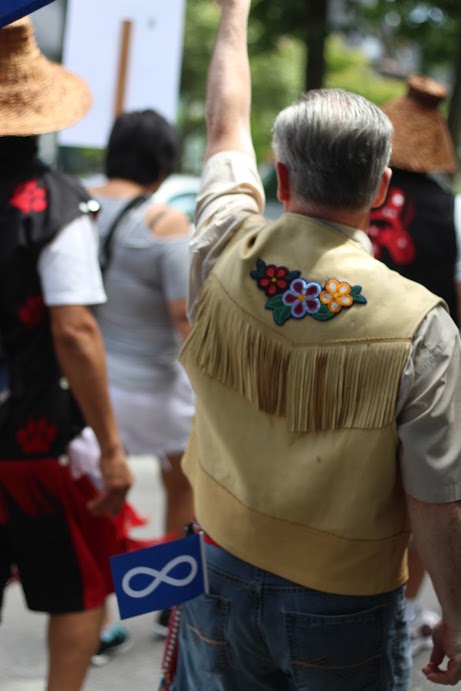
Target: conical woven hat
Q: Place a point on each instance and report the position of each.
(36, 95)
(421, 141)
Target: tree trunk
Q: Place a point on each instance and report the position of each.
(316, 32)
(454, 115)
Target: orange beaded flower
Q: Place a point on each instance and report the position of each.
(336, 295)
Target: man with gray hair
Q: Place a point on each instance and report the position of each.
(327, 422)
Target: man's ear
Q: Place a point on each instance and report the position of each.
(283, 182)
(383, 187)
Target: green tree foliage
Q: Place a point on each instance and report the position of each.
(278, 73)
(432, 25)
(350, 69)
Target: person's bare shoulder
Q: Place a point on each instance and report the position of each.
(100, 190)
(167, 222)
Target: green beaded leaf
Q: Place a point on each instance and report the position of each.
(275, 301)
(260, 270)
(282, 314)
(291, 275)
(356, 294)
(323, 314)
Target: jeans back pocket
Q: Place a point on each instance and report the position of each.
(337, 653)
(206, 622)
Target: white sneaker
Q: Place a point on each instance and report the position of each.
(420, 627)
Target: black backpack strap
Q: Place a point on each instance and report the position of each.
(106, 251)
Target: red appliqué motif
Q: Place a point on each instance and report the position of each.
(37, 436)
(28, 196)
(32, 311)
(389, 228)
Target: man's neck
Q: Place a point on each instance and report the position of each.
(120, 188)
(354, 218)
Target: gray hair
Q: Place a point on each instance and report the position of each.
(336, 145)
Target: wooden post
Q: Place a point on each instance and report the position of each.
(125, 42)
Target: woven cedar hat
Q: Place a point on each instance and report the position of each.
(36, 96)
(421, 141)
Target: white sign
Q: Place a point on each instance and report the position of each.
(130, 53)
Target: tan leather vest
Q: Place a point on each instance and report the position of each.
(296, 356)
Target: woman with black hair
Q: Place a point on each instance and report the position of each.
(145, 257)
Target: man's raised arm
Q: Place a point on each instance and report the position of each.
(228, 100)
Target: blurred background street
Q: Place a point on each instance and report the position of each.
(22, 658)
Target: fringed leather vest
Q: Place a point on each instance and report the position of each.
(296, 356)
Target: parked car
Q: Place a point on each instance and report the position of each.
(180, 190)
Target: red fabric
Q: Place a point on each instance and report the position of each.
(44, 486)
(24, 481)
(209, 540)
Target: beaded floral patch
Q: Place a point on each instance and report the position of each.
(290, 295)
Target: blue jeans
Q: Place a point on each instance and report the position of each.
(255, 631)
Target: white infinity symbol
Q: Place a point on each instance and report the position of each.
(160, 576)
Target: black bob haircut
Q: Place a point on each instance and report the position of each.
(142, 147)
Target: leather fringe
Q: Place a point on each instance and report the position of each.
(316, 387)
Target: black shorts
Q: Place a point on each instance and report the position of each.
(61, 552)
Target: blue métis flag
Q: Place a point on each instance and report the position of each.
(10, 10)
(159, 577)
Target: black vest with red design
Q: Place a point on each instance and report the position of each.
(38, 417)
(414, 233)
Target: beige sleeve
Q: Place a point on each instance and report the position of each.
(429, 412)
(231, 191)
